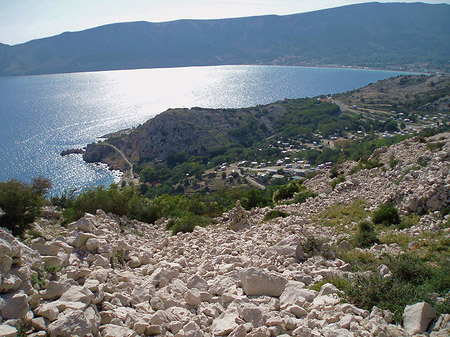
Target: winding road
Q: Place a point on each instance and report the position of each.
(130, 171)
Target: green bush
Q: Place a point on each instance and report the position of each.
(313, 246)
(186, 223)
(365, 235)
(386, 214)
(21, 203)
(302, 195)
(274, 214)
(286, 191)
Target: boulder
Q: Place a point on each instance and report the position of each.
(220, 285)
(16, 305)
(54, 290)
(417, 317)
(296, 293)
(84, 225)
(48, 310)
(225, 324)
(193, 297)
(253, 314)
(328, 289)
(77, 294)
(197, 282)
(71, 323)
(256, 281)
(8, 331)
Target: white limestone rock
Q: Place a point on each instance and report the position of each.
(16, 305)
(71, 323)
(8, 331)
(417, 317)
(112, 330)
(193, 297)
(328, 289)
(256, 281)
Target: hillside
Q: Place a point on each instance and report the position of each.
(305, 274)
(213, 135)
(411, 93)
(371, 34)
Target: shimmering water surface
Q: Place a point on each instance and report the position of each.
(42, 115)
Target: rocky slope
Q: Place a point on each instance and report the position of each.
(195, 131)
(427, 93)
(105, 276)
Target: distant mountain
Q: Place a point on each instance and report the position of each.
(370, 34)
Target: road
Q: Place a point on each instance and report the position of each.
(130, 172)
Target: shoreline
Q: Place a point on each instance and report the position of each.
(347, 67)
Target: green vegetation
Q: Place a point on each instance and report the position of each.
(21, 203)
(339, 179)
(386, 214)
(365, 236)
(340, 215)
(412, 281)
(274, 214)
(314, 246)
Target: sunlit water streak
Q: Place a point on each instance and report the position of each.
(42, 115)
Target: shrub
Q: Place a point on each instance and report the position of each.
(313, 246)
(302, 195)
(386, 214)
(286, 191)
(275, 214)
(186, 223)
(338, 180)
(393, 161)
(365, 236)
(21, 203)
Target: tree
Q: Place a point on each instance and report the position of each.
(21, 203)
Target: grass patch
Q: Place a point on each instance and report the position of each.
(403, 240)
(365, 236)
(338, 214)
(359, 260)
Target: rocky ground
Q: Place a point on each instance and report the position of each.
(105, 276)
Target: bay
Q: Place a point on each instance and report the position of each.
(42, 115)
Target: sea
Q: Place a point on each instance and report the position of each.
(42, 115)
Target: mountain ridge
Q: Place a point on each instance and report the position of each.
(370, 34)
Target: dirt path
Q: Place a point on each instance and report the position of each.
(130, 172)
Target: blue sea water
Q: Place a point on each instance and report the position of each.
(42, 115)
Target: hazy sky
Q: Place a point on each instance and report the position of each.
(24, 20)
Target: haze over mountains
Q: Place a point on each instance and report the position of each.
(370, 34)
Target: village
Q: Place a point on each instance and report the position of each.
(289, 167)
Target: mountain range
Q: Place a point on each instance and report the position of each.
(369, 34)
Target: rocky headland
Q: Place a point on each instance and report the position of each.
(109, 276)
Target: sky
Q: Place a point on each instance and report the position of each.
(25, 20)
